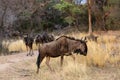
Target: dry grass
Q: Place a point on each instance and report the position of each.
(16, 45)
(101, 63)
(106, 50)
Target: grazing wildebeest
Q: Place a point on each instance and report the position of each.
(29, 44)
(44, 38)
(62, 46)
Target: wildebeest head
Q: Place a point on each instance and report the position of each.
(28, 40)
(38, 39)
(82, 49)
(44, 38)
(47, 37)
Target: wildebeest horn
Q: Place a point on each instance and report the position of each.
(85, 39)
(82, 38)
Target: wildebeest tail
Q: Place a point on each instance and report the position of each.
(38, 60)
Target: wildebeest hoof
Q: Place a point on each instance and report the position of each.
(31, 54)
(27, 55)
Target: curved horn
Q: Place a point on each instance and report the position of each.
(81, 38)
(85, 38)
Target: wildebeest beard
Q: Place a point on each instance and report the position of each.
(78, 51)
(83, 50)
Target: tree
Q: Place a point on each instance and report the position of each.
(73, 14)
(98, 8)
(112, 12)
(90, 36)
(4, 7)
(89, 16)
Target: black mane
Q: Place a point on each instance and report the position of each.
(72, 38)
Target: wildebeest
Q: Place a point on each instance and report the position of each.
(44, 38)
(62, 46)
(29, 44)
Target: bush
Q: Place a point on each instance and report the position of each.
(3, 49)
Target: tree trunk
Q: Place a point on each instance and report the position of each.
(3, 15)
(89, 16)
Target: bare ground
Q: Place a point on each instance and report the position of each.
(9, 64)
(22, 67)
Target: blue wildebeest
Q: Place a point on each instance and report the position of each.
(44, 38)
(29, 44)
(60, 47)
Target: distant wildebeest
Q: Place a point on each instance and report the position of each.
(29, 44)
(60, 47)
(44, 38)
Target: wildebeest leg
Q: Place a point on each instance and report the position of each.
(62, 57)
(47, 62)
(27, 50)
(39, 60)
(31, 51)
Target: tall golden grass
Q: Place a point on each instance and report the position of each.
(17, 45)
(95, 66)
(105, 50)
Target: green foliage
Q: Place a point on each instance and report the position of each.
(65, 13)
(25, 15)
(26, 24)
(54, 13)
(113, 23)
(67, 7)
(40, 0)
(114, 2)
(76, 10)
(71, 11)
(69, 20)
(63, 6)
